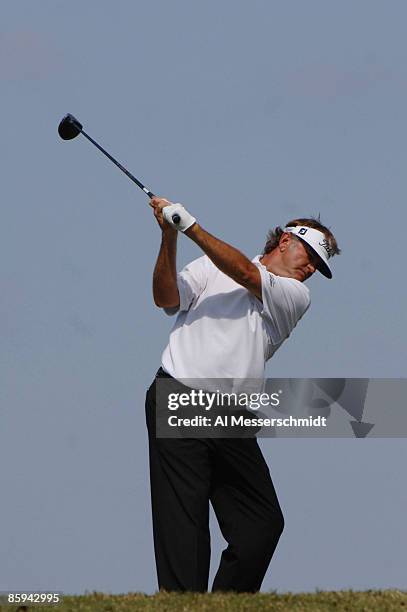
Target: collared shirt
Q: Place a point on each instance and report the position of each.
(224, 331)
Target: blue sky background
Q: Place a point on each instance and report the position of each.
(250, 113)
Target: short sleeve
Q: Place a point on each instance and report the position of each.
(285, 300)
(191, 282)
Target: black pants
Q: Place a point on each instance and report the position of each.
(186, 474)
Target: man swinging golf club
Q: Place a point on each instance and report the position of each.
(232, 315)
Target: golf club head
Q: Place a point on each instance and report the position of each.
(69, 127)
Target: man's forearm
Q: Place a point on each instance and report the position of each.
(165, 290)
(227, 258)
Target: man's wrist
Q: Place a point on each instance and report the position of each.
(191, 232)
(169, 232)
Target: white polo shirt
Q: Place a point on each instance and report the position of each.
(222, 330)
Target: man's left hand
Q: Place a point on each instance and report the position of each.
(185, 219)
(164, 211)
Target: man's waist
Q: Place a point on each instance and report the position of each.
(161, 373)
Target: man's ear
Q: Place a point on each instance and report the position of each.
(284, 241)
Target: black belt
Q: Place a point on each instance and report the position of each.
(162, 374)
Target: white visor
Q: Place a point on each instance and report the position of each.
(318, 242)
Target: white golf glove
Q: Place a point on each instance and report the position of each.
(185, 219)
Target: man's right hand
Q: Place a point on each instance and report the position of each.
(157, 205)
(165, 289)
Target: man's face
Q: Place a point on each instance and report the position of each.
(299, 259)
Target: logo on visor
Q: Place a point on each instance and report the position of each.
(302, 231)
(327, 247)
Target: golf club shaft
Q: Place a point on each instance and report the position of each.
(122, 168)
(70, 127)
(175, 218)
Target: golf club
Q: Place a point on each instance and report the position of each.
(70, 127)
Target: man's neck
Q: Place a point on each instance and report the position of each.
(273, 265)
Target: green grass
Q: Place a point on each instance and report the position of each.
(321, 601)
